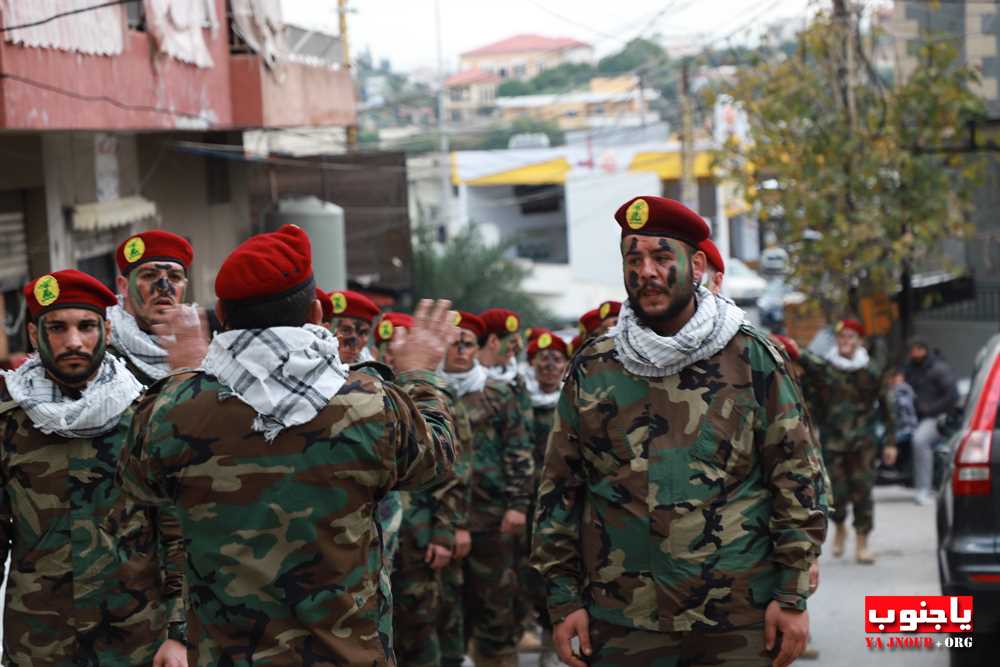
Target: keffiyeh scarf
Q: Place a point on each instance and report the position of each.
(141, 348)
(856, 363)
(540, 399)
(503, 374)
(469, 382)
(286, 374)
(97, 411)
(646, 353)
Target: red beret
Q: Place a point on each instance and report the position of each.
(153, 245)
(546, 341)
(471, 322)
(853, 325)
(324, 300)
(500, 321)
(389, 323)
(790, 347)
(534, 332)
(574, 345)
(609, 309)
(67, 289)
(266, 266)
(345, 303)
(659, 216)
(590, 321)
(712, 253)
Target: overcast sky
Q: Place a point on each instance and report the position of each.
(403, 30)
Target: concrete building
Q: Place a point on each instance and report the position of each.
(470, 96)
(961, 327)
(115, 120)
(608, 103)
(522, 57)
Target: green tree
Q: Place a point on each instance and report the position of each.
(515, 88)
(835, 150)
(499, 136)
(638, 52)
(474, 275)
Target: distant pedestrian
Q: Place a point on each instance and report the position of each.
(933, 382)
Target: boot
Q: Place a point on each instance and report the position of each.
(839, 540)
(864, 556)
(508, 660)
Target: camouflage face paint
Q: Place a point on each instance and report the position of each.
(633, 280)
(49, 360)
(134, 293)
(672, 277)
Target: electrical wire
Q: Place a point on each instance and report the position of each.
(78, 10)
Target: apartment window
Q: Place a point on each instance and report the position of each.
(598, 109)
(502, 72)
(456, 94)
(136, 16)
(520, 71)
(456, 116)
(535, 199)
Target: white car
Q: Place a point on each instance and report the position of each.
(741, 283)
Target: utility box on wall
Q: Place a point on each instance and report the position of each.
(324, 223)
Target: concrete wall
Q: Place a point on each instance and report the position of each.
(179, 184)
(497, 206)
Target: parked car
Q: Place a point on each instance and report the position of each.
(968, 505)
(742, 284)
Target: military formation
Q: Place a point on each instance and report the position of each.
(299, 477)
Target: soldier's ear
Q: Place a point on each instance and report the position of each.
(33, 334)
(220, 314)
(698, 263)
(316, 313)
(122, 283)
(107, 330)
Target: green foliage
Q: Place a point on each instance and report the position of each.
(368, 137)
(842, 157)
(500, 136)
(558, 79)
(515, 88)
(637, 52)
(474, 275)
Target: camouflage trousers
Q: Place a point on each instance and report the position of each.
(416, 596)
(451, 622)
(490, 594)
(852, 476)
(619, 646)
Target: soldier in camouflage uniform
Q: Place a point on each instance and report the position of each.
(502, 474)
(276, 455)
(428, 524)
(855, 397)
(86, 586)
(155, 332)
(679, 510)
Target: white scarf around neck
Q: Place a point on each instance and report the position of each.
(141, 348)
(469, 382)
(856, 363)
(644, 352)
(286, 374)
(539, 398)
(506, 374)
(97, 411)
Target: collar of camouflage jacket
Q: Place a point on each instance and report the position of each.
(139, 347)
(97, 410)
(286, 374)
(469, 382)
(644, 352)
(855, 363)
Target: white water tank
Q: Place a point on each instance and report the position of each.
(323, 221)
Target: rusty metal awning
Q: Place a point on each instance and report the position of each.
(103, 215)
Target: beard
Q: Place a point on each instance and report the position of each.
(680, 298)
(75, 377)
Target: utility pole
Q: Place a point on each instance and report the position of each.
(352, 130)
(444, 211)
(689, 186)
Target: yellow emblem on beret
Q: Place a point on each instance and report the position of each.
(134, 249)
(511, 324)
(544, 341)
(458, 318)
(569, 348)
(637, 214)
(339, 302)
(385, 330)
(605, 309)
(583, 330)
(527, 332)
(46, 290)
(838, 327)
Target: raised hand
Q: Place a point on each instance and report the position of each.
(423, 346)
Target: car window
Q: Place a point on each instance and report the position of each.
(980, 374)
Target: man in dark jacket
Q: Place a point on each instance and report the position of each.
(933, 382)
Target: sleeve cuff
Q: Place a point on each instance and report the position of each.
(559, 612)
(427, 377)
(177, 631)
(793, 588)
(444, 537)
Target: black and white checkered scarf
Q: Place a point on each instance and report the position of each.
(98, 409)
(286, 374)
(644, 352)
(141, 348)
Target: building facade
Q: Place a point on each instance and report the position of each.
(522, 57)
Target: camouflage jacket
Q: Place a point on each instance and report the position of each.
(502, 463)
(142, 377)
(541, 427)
(681, 503)
(434, 514)
(284, 557)
(853, 404)
(87, 584)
